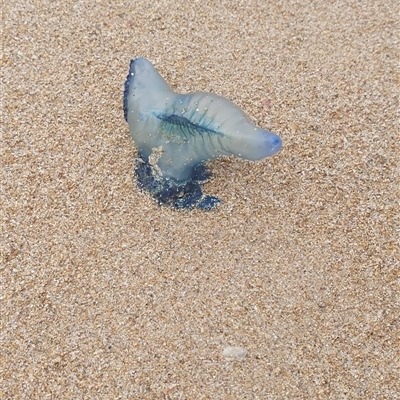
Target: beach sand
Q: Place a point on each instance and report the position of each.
(107, 295)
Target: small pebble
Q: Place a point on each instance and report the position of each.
(237, 353)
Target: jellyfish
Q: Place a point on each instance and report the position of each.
(176, 134)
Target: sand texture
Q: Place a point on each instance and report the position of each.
(106, 295)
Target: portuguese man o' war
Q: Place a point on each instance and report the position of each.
(177, 133)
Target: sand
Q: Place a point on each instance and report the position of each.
(107, 295)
